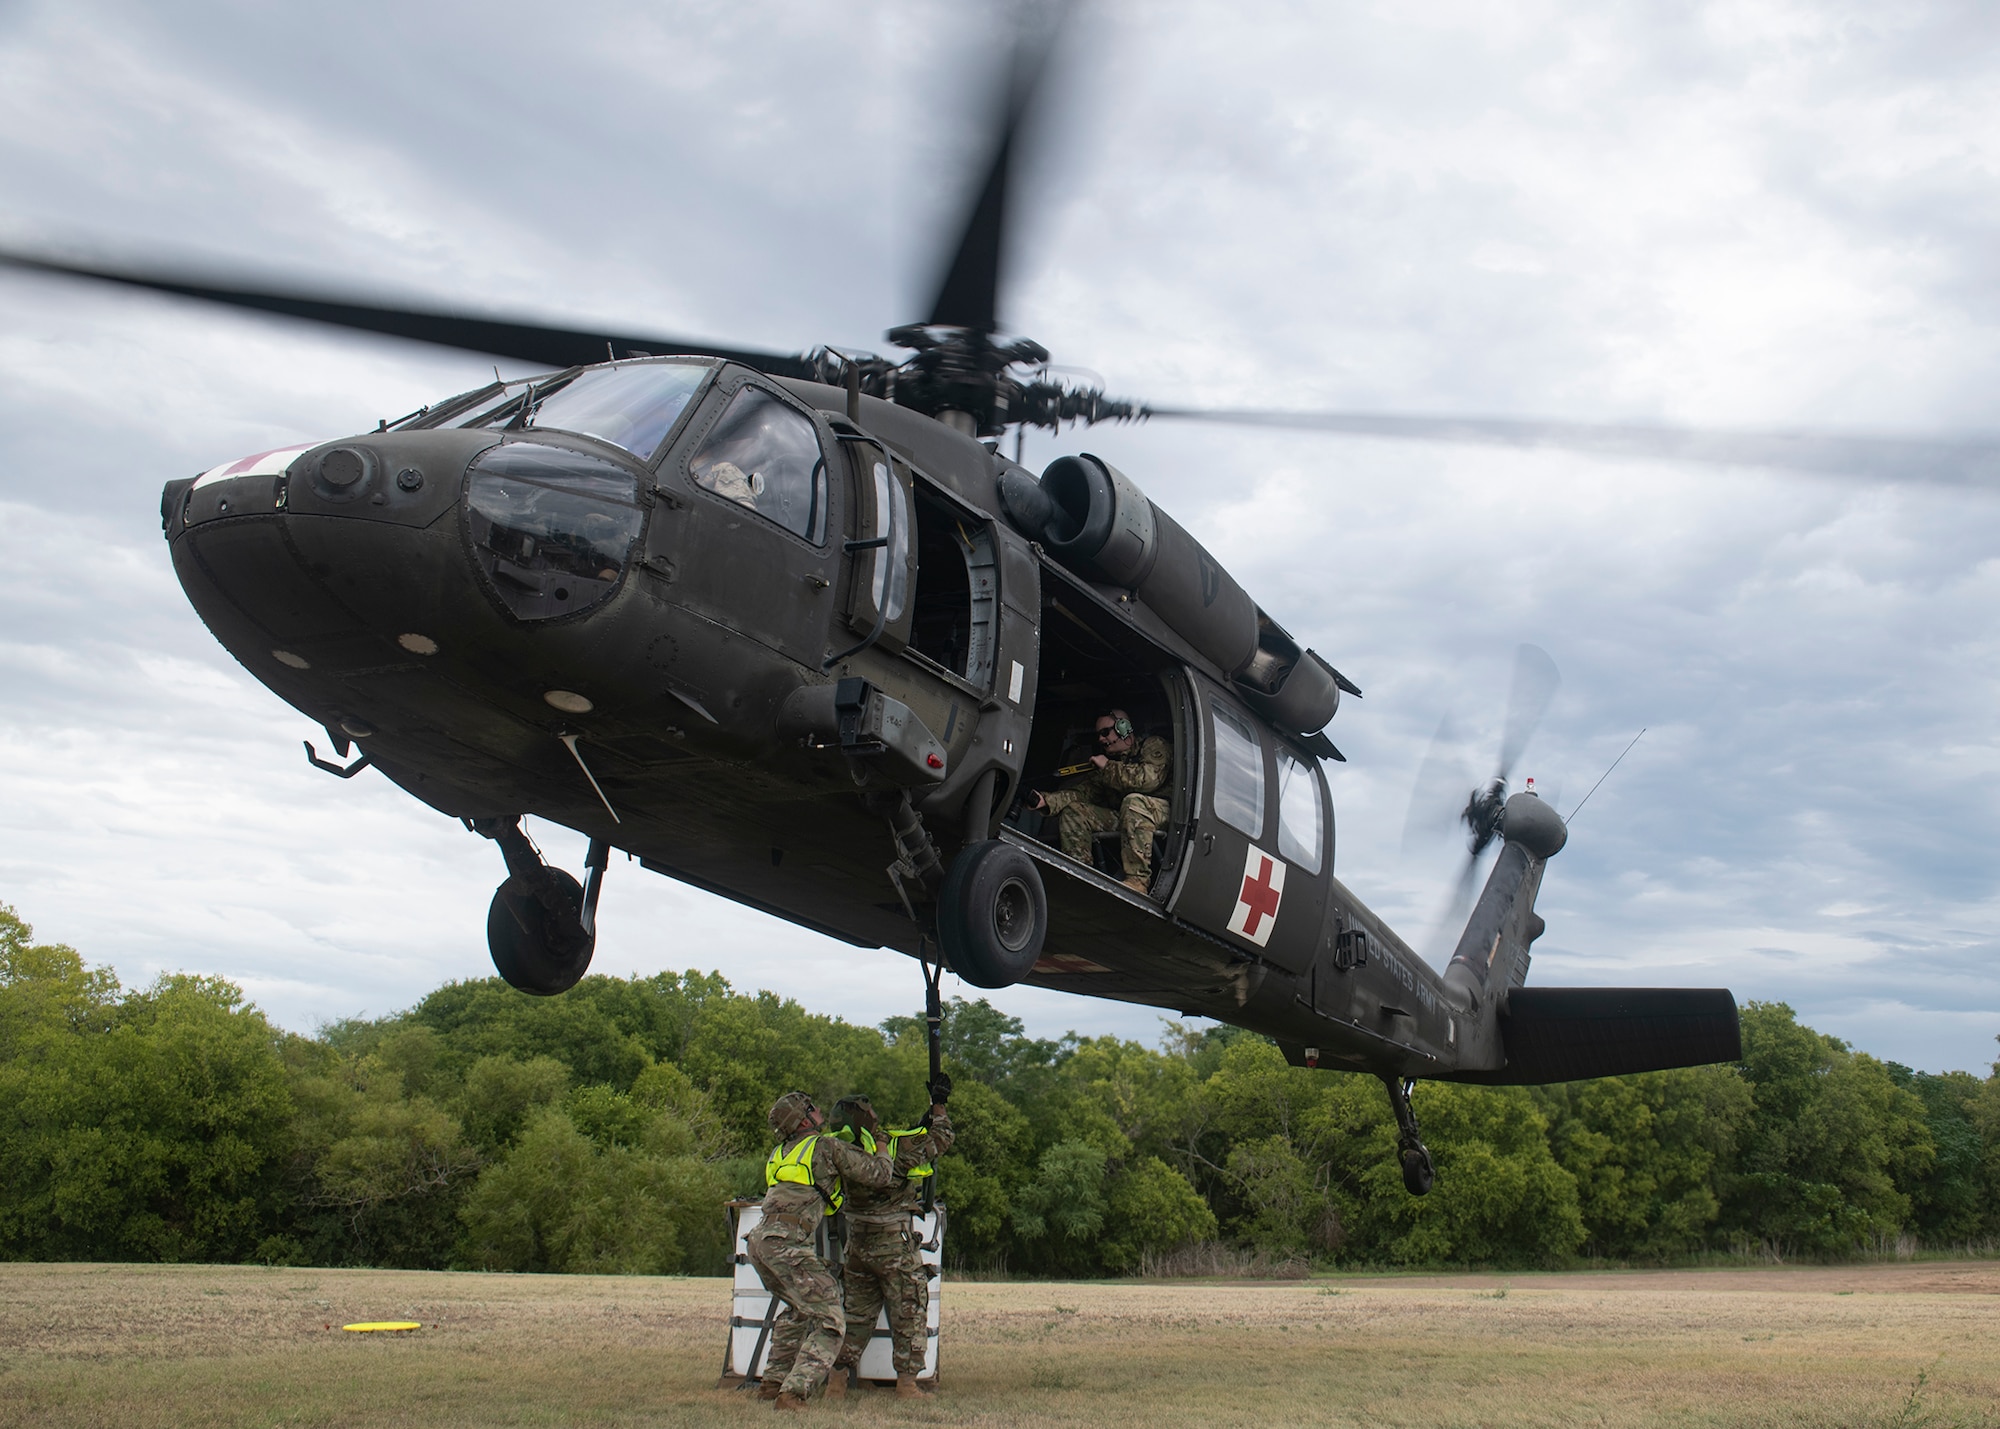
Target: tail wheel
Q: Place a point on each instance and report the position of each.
(1417, 1171)
(536, 936)
(992, 914)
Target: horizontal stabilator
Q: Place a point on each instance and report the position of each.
(1570, 1034)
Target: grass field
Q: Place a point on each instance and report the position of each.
(138, 1346)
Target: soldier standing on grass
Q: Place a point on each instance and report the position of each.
(806, 1180)
(884, 1268)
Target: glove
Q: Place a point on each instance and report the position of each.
(941, 1090)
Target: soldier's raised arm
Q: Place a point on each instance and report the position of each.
(916, 1150)
(855, 1166)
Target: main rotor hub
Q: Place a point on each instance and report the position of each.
(995, 382)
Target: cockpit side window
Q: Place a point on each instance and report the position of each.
(763, 455)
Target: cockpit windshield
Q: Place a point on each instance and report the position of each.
(633, 405)
(468, 409)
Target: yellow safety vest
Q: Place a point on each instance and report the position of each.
(867, 1142)
(896, 1138)
(795, 1168)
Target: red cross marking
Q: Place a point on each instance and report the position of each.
(1259, 897)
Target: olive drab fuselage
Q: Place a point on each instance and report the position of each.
(717, 627)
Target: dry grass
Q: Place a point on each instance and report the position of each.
(1900, 1345)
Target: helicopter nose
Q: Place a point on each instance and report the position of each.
(393, 582)
(403, 478)
(326, 557)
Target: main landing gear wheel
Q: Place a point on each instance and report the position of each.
(536, 934)
(541, 927)
(992, 914)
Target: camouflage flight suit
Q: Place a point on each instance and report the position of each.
(727, 479)
(884, 1267)
(807, 1334)
(1118, 796)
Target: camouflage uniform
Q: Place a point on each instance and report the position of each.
(807, 1333)
(727, 479)
(884, 1267)
(1118, 796)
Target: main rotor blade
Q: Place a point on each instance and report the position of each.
(1442, 939)
(1967, 460)
(522, 341)
(968, 296)
(1535, 682)
(1439, 791)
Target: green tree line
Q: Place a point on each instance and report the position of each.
(602, 1131)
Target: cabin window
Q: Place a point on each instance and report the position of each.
(1239, 774)
(766, 457)
(888, 572)
(1301, 819)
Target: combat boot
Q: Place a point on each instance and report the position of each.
(1137, 883)
(788, 1403)
(770, 1388)
(836, 1383)
(906, 1387)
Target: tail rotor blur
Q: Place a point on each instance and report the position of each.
(1444, 772)
(1536, 681)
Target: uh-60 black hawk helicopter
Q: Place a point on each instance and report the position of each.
(763, 620)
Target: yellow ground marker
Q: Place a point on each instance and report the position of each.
(364, 1326)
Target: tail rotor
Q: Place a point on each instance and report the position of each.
(1444, 771)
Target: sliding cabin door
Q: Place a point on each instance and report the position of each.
(1261, 855)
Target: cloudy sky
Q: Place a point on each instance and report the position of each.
(1758, 216)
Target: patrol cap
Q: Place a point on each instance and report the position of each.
(788, 1111)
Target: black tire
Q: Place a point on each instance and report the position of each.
(992, 915)
(1417, 1172)
(536, 936)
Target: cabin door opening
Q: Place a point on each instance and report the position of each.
(954, 618)
(1091, 664)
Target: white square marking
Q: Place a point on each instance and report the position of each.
(1256, 911)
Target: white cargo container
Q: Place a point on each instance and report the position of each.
(752, 1308)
